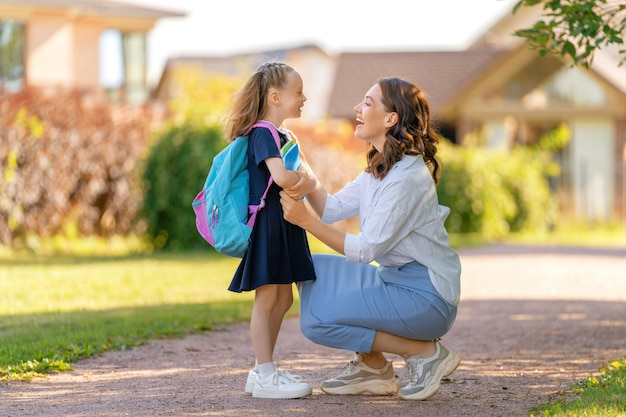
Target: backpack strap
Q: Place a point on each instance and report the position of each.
(254, 209)
(267, 125)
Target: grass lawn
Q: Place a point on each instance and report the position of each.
(53, 311)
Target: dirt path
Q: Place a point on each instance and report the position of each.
(531, 322)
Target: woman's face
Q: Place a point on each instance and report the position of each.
(373, 119)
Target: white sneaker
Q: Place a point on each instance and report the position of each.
(357, 378)
(280, 384)
(425, 374)
(252, 376)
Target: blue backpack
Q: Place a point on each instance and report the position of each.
(223, 216)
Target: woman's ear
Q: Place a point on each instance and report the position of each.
(391, 119)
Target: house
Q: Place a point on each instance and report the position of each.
(60, 43)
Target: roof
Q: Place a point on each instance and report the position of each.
(99, 8)
(440, 74)
(231, 63)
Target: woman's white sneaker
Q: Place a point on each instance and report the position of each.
(425, 374)
(280, 384)
(357, 378)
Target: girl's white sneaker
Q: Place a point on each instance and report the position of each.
(280, 384)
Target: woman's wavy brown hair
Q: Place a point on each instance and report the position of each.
(413, 134)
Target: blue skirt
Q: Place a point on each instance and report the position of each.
(349, 302)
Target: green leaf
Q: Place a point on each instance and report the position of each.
(569, 49)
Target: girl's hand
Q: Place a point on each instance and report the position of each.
(294, 210)
(306, 183)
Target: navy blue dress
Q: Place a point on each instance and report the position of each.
(279, 251)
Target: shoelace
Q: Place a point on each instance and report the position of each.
(349, 368)
(412, 370)
(288, 376)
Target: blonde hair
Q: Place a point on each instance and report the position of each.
(250, 103)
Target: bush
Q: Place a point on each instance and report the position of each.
(495, 192)
(67, 162)
(174, 172)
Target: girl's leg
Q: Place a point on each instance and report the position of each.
(267, 314)
(271, 302)
(284, 301)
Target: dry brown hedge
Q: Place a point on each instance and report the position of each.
(69, 159)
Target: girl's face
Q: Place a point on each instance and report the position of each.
(374, 120)
(291, 97)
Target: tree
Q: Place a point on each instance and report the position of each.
(576, 28)
(202, 99)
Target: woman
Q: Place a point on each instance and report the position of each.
(408, 302)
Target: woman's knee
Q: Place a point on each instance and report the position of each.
(312, 331)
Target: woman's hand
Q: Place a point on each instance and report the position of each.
(294, 210)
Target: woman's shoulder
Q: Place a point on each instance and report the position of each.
(410, 173)
(410, 166)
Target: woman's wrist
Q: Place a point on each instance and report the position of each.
(312, 183)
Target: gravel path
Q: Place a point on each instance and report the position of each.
(531, 322)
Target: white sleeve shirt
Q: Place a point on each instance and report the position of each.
(401, 221)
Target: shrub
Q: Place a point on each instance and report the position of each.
(174, 172)
(495, 192)
(67, 162)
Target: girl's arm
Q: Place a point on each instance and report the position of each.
(295, 212)
(283, 177)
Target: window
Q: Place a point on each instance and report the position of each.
(548, 81)
(135, 63)
(11, 55)
(123, 65)
(574, 86)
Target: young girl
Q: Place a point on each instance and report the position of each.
(278, 254)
